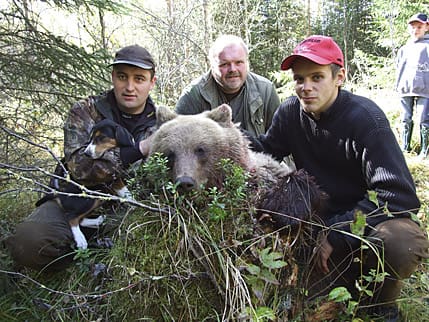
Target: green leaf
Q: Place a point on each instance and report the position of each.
(339, 294)
(264, 312)
(268, 277)
(372, 195)
(351, 306)
(253, 269)
(271, 260)
(358, 225)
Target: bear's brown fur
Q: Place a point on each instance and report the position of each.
(194, 145)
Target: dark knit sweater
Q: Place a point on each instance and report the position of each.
(350, 150)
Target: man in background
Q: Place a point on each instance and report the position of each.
(253, 98)
(412, 82)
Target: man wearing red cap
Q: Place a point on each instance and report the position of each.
(346, 143)
(412, 82)
(44, 241)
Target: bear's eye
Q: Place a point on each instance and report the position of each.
(200, 151)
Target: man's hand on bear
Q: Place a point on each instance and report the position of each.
(322, 253)
(144, 146)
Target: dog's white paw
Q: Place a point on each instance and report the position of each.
(79, 237)
(124, 193)
(92, 222)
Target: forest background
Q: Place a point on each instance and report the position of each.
(55, 52)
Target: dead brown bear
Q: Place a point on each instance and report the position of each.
(195, 144)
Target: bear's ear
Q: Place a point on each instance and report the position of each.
(222, 115)
(164, 114)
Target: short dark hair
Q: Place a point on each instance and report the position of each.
(152, 72)
(335, 69)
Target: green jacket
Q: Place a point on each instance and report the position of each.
(261, 101)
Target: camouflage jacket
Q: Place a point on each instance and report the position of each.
(77, 128)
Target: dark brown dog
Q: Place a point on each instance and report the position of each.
(105, 136)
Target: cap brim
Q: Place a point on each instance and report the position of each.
(128, 62)
(416, 20)
(288, 61)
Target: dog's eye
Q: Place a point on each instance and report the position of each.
(98, 138)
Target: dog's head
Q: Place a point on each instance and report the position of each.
(106, 135)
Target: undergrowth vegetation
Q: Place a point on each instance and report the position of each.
(199, 256)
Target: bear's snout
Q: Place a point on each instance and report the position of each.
(186, 183)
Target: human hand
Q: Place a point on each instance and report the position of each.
(322, 254)
(144, 146)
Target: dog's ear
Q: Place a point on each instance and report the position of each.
(103, 124)
(123, 137)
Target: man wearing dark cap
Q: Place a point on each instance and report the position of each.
(412, 82)
(44, 241)
(346, 143)
(128, 104)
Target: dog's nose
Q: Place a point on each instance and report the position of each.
(185, 183)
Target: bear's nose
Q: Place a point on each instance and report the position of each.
(185, 183)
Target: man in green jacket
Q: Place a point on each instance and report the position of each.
(253, 98)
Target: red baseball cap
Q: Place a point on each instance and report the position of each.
(322, 50)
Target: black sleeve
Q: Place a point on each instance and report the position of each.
(130, 154)
(276, 140)
(255, 144)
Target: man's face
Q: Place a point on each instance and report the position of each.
(315, 86)
(417, 29)
(131, 86)
(230, 68)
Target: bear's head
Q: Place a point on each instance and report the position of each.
(195, 144)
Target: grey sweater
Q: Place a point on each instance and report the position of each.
(412, 68)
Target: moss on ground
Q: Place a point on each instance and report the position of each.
(183, 261)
